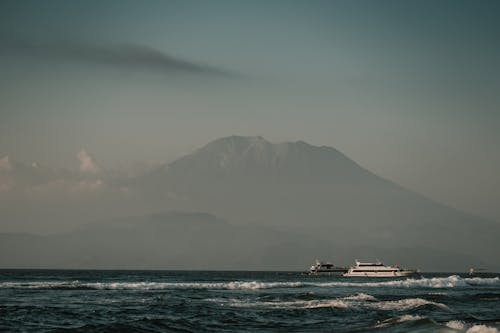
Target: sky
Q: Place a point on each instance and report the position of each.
(408, 89)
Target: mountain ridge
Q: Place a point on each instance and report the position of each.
(247, 158)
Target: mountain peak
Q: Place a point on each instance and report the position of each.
(236, 142)
(241, 138)
(254, 159)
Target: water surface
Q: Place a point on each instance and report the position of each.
(192, 301)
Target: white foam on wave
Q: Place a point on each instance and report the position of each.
(361, 297)
(311, 304)
(40, 284)
(397, 320)
(406, 304)
(404, 318)
(462, 327)
(245, 285)
(482, 329)
(232, 285)
(254, 285)
(483, 281)
(444, 282)
(339, 304)
(456, 324)
(365, 302)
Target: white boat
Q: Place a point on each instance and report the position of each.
(478, 271)
(321, 267)
(378, 269)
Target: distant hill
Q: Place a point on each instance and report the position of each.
(181, 240)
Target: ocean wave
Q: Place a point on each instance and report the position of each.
(406, 304)
(248, 303)
(444, 282)
(460, 326)
(400, 305)
(233, 285)
(398, 320)
(312, 304)
(361, 297)
(482, 329)
(351, 302)
(456, 324)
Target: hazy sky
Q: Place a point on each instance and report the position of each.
(408, 89)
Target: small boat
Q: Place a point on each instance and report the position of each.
(377, 269)
(478, 271)
(321, 267)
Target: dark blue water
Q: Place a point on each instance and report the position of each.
(166, 301)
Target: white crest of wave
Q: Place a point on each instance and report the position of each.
(406, 304)
(254, 285)
(400, 319)
(40, 284)
(482, 329)
(461, 326)
(362, 302)
(483, 281)
(456, 324)
(325, 304)
(244, 285)
(311, 304)
(444, 282)
(409, 318)
(233, 285)
(361, 297)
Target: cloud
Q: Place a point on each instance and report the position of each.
(62, 186)
(5, 164)
(87, 163)
(20, 181)
(121, 55)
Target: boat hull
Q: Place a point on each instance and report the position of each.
(381, 274)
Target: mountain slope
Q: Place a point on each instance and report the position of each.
(316, 191)
(244, 159)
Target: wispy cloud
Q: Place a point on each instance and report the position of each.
(87, 163)
(131, 56)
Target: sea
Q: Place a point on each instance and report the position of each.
(219, 301)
